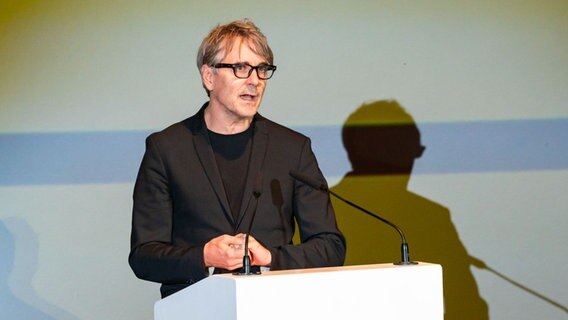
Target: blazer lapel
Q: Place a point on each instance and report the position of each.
(255, 168)
(206, 156)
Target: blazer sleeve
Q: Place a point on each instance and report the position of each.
(322, 243)
(153, 257)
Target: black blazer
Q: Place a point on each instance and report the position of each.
(180, 204)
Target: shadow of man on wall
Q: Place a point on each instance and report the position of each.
(382, 143)
(11, 306)
(19, 242)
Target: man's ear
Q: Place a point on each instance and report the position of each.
(207, 77)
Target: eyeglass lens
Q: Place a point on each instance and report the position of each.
(245, 70)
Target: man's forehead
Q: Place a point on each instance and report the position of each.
(235, 45)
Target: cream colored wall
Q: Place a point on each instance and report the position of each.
(109, 67)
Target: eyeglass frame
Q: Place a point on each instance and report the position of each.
(233, 66)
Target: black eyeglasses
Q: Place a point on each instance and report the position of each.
(244, 70)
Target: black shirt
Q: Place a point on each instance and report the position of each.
(232, 153)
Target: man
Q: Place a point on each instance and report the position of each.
(202, 180)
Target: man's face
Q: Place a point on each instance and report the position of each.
(232, 98)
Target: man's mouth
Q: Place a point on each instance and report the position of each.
(248, 97)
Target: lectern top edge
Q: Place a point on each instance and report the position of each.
(333, 269)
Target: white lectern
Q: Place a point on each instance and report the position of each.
(380, 291)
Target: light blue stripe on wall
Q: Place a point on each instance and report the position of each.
(461, 147)
(495, 146)
(70, 158)
(457, 147)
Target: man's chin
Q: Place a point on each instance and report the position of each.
(249, 110)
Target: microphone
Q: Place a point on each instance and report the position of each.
(278, 202)
(256, 192)
(405, 256)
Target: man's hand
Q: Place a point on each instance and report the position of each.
(259, 255)
(224, 252)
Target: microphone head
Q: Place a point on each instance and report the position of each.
(257, 188)
(276, 193)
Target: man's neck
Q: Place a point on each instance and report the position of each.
(225, 123)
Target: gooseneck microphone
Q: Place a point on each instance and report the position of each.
(256, 192)
(405, 256)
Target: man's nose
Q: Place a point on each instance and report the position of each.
(253, 78)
